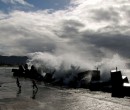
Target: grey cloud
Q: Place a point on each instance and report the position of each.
(106, 15)
(116, 43)
(37, 45)
(70, 28)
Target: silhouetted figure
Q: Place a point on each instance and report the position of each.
(18, 72)
(21, 71)
(26, 71)
(33, 72)
(35, 75)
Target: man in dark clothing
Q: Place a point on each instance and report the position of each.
(21, 71)
(34, 74)
(26, 71)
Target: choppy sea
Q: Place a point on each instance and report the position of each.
(53, 98)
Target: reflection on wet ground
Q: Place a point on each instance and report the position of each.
(19, 92)
(34, 88)
(34, 93)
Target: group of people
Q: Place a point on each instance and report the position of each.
(24, 72)
(32, 73)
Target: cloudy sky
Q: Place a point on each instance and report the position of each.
(96, 29)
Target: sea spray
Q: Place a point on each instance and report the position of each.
(66, 67)
(108, 64)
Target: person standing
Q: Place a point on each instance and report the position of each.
(26, 71)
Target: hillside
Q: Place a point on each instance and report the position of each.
(12, 60)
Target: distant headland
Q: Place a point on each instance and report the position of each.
(12, 60)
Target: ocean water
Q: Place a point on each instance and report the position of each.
(53, 98)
